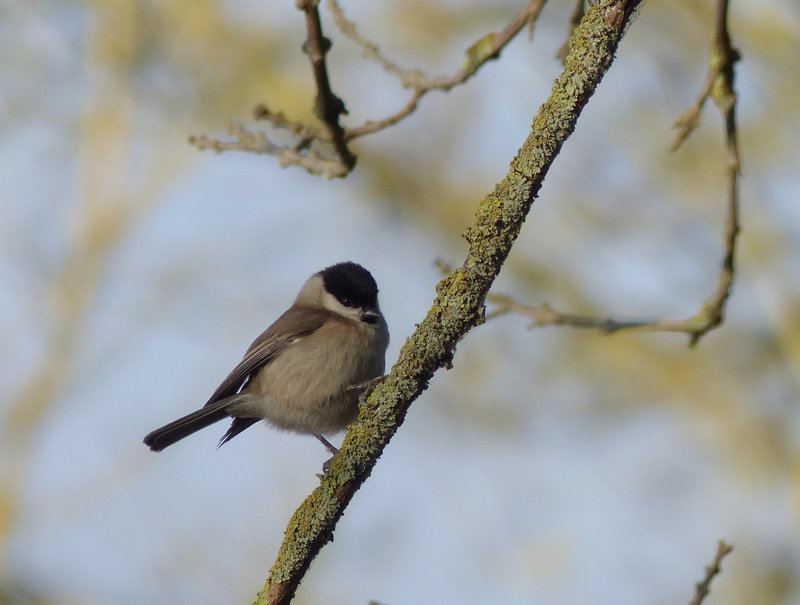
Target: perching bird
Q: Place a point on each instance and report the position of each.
(306, 371)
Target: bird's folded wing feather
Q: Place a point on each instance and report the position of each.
(293, 325)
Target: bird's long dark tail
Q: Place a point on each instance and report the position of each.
(191, 423)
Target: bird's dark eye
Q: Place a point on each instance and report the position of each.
(347, 302)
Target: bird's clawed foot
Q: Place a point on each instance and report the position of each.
(366, 388)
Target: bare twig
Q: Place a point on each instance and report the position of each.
(703, 587)
(544, 315)
(721, 58)
(690, 119)
(409, 78)
(487, 48)
(258, 142)
(459, 303)
(719, 87)
(327, 107)
(371, 126)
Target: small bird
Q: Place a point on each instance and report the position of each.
(306, 371)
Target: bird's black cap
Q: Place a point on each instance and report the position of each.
(351, 284)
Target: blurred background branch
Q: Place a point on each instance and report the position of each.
(703, 588)
(328, 107)
(483, 50)
(719, 84)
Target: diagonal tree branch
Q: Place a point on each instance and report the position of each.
(459, 304)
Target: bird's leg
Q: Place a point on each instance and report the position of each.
(328, 446)
(365, 388)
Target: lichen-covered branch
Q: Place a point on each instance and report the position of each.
(719, 87)
(459, 303)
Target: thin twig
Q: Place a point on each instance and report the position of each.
(690, 119)
(327, 106)
(258, 142)
(703, 587)
(409, 78)
(721, 58)
(487, 48)
(544, 315)
(719, 87)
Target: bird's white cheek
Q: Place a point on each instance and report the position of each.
(331, 303)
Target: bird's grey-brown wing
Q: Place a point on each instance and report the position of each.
(294, 324)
